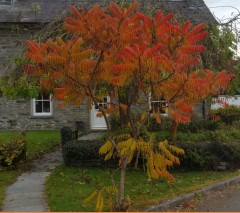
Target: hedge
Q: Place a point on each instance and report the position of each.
(228, 115)
(198, 155)
(210, 155)
(84, 152)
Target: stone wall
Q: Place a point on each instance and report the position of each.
(12, 40)
(17, 24)
(200, 108)
(16, 114)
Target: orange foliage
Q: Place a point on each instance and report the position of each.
(118, 47)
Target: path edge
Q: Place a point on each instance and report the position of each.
(184, 198)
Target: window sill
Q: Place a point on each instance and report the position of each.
(41, 117)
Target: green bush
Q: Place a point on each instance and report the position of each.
(164, 126)
(208, 155)
(76, 152)
(197, 124)
(13, 152)
(115, 122)
(226, 134)
(228, 115)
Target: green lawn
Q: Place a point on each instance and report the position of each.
(6, 178)
(68, 187)
(38, 142)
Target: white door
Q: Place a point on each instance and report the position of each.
(98, 122)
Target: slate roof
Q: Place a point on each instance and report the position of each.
(24, 11)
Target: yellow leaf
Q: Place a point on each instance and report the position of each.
(89, 198)
(99, 114)
(158, 118)
(143, 115)
(105, 148)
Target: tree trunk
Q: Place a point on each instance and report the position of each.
(123, 99)
(204, 109)
(121, 206)
(174, 131)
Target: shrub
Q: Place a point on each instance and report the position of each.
(154, 126)
(13, 152)
(115, 122)
(66, 135)
(197, 124)
(208, 155)
(228, 115)
(76, 153)
(212, 125)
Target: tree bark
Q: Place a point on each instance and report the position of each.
(174, 131)
(204, 109)
(121, 206)
(123, 99)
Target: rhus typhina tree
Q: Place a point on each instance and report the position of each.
(115, 50)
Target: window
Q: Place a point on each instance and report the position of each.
(159, 106)
(104, 103)
(42, 105)
(6, 2)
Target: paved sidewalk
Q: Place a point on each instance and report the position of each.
(27, 194)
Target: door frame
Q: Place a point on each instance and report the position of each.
(93, 116)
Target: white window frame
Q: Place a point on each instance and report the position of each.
(6, 2)
(150, 101)
(42, 114)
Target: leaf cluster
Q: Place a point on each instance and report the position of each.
(106, 194)
(228, 115)
(13, 151)
(15, 84)
(119, 48)
(158, 157)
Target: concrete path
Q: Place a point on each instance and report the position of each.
(90, 136)
(27, 194)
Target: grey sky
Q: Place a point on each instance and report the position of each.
(222, 9)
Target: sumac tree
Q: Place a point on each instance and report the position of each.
(123, 53)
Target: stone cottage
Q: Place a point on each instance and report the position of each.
(19, 19)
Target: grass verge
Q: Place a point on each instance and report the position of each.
(68, 187)
(38, 142)
(6, 178)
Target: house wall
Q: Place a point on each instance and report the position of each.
(18, 23)
(16, 114)
(12, 37)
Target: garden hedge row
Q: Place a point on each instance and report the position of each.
(228, 115)
(198, 155)
(79, 153)
(210, 155)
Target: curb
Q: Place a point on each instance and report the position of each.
(184, 198)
